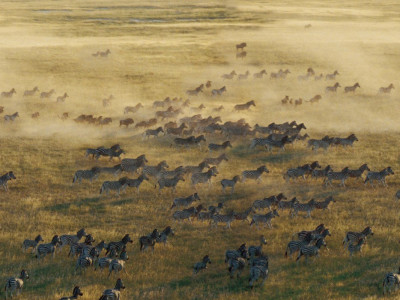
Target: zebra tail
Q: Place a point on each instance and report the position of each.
(73, 180)
(173, 205)
(286, 253)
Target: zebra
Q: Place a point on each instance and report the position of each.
(269, 201)
(340, 176)
(380, 176)
(14, 284)
(85, 261)
(346, 141)
(241, 46)
(260, 74)
(244, 215)
(104, 262)
(91, 175)
(117, 265)
(390, 280)
(32, 243)
(115, 170)
(152, 132)
(196, 169)
(118, 186)
(357, 173)
(306, 207)
(236, 264)
(259, 270)
(136, 182)
(332, 89)
(229, 76)
(5, 178)
(294, 246)
(163, 237)
(246, 106)
(169, 182)
(352, 88)
(311, 250)
(306, 234)
(118, 246)
(287, 204)
(352, 237)
(115, 293)
(266, 219)
(216, 209)
(62, 98)
(132, 109)
(254, 251)
(11, 118)
(190, 141)
(218, 92)
(82, 248)
(217, 218)
(32, 92)
(352, 248)
(324, 204)
(386, 90)
(153, 171)
(76, 292)
(43, 249)
(233, 254)
(331, 76)
(185, 201)
(48, 94)
(316, 144)
(126, 122)
(294, 173)
(133, 164)
(244, 76)
(68, 239)
(148, 240)
(217, 147)
(254, 174)
(230, 183)
(204, 177)
(201, 265)
(109, 152)
(322, 173)
(8, 94)
(187, 213)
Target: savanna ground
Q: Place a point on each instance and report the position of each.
(161, 49)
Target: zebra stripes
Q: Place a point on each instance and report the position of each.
(391, 280)
(75, 294)
(118, 186)
(43, 249)
(85, 261)
(68, 239)
(118, 265)
(217, 218)
(118, 246)
(259, 269)
(254, 174)
(204, 177)
(353, 237)
(310, 250)
(294, 246)
(148, 240)
(185, 201)
(352, 248)
(225, 183)
(379, 176)
(236, 264)
(202, 265)
(32, 243)
(266, 219)
(91, 175)
(115, 293)
(305, 207)
(5, 178)
(257, 250)
(14, 284)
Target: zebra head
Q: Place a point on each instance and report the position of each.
(206, 260)
(126, 239)
(119, 284)
(168, 231)
(196, 197)
(263, 240)
(389, 170)
(77, 292)
(24, 274)
(11, 175)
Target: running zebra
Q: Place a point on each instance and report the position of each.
(243, 216)
(324, 204)
(228, 219)
(217, 147)
(152, 132)
(48, 94)
(295, 173)
(260, 74)
(85, 261)
(390, 280)
(215, 161)
(196, 169)
(118, 246)
(5, 178)
(115, 293)
(311, 250)
(109, 152)
(188, 213)
(11, 118)
(294, 246)
(32, 92)
(352, 248)
(386, 90)
(306, 234)
(236, 264)
(69, 239)
(246, 106)
(14, 284)
(322, 173)
(104, 262)
(118, 186)
(259, 269)
(8, 94)
(332, 76)
(76, 292)
(163, 237)
(332, 89)
(269, 201)
(202, 265)
(218, 92)
(136, 182)
(169, 182)
(43, 249)
(115, 170)
(316, 144)
(379, 176)
(117, 265)
(266, 219)
(353, 237)
(153, 171)
(257, 250)
(339, 176)
(345, 141)
(204, 177)
(82, 248)
(91, 175)
(306, 207)
(32, 243)
(185, 201)
(240, 252)
(230, 183)
(254, 174)
(148, 240)
(357, 173)
(287, 204)
(133, 164)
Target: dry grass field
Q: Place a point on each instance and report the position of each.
(163, 48)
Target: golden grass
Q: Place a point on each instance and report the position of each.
(49, 44)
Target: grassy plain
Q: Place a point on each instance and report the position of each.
(161, 49)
